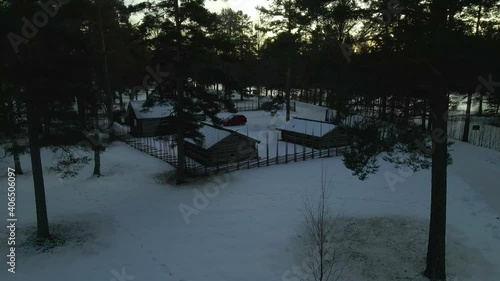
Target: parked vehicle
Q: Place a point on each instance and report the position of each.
(235, 120)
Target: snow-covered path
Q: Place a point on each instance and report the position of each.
(480, 168)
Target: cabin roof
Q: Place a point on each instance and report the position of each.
(214, 135)
(308, 127)
(154, 112)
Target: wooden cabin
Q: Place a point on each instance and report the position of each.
(221, 146)
(313, 133)
(148, 123)
(153, 121)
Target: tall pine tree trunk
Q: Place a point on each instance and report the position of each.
(384, 108)
(436, 250)
(97, 156)
(181, 152)
(288, 89)
(36, 163)
(465, 136)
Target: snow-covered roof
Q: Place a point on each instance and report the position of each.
(308, 127)
(157, 111)
(212, 135)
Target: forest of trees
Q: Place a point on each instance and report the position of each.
(63, 63)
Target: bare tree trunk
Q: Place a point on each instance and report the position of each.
(36, 163)
(95, 146)
(384, 108)
(97, 157)
(82, 116)
(424, 113)
(480, 110)
(465, 136)
(407, 111)
(121, 99)
(109, 95)
(17, 160)
(288, 89)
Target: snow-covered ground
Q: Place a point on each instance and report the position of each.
(132, 225)
(130, 220)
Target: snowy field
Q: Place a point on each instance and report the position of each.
(129, 222)
(133, 225)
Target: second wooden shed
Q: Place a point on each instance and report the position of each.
(313, 133)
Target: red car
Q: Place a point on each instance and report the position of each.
(235, 120)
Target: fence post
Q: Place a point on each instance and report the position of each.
(217, 163)
(312, 145)
(304, 150)
(277, 149)
(320, 143)
(294, 106)
(267, 147)
(295, 152)
(286, 153)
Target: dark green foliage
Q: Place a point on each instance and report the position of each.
(372, 141)
(69, 163)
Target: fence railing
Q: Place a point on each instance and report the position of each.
(483, 135)
(163, 149)
(255, 105)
